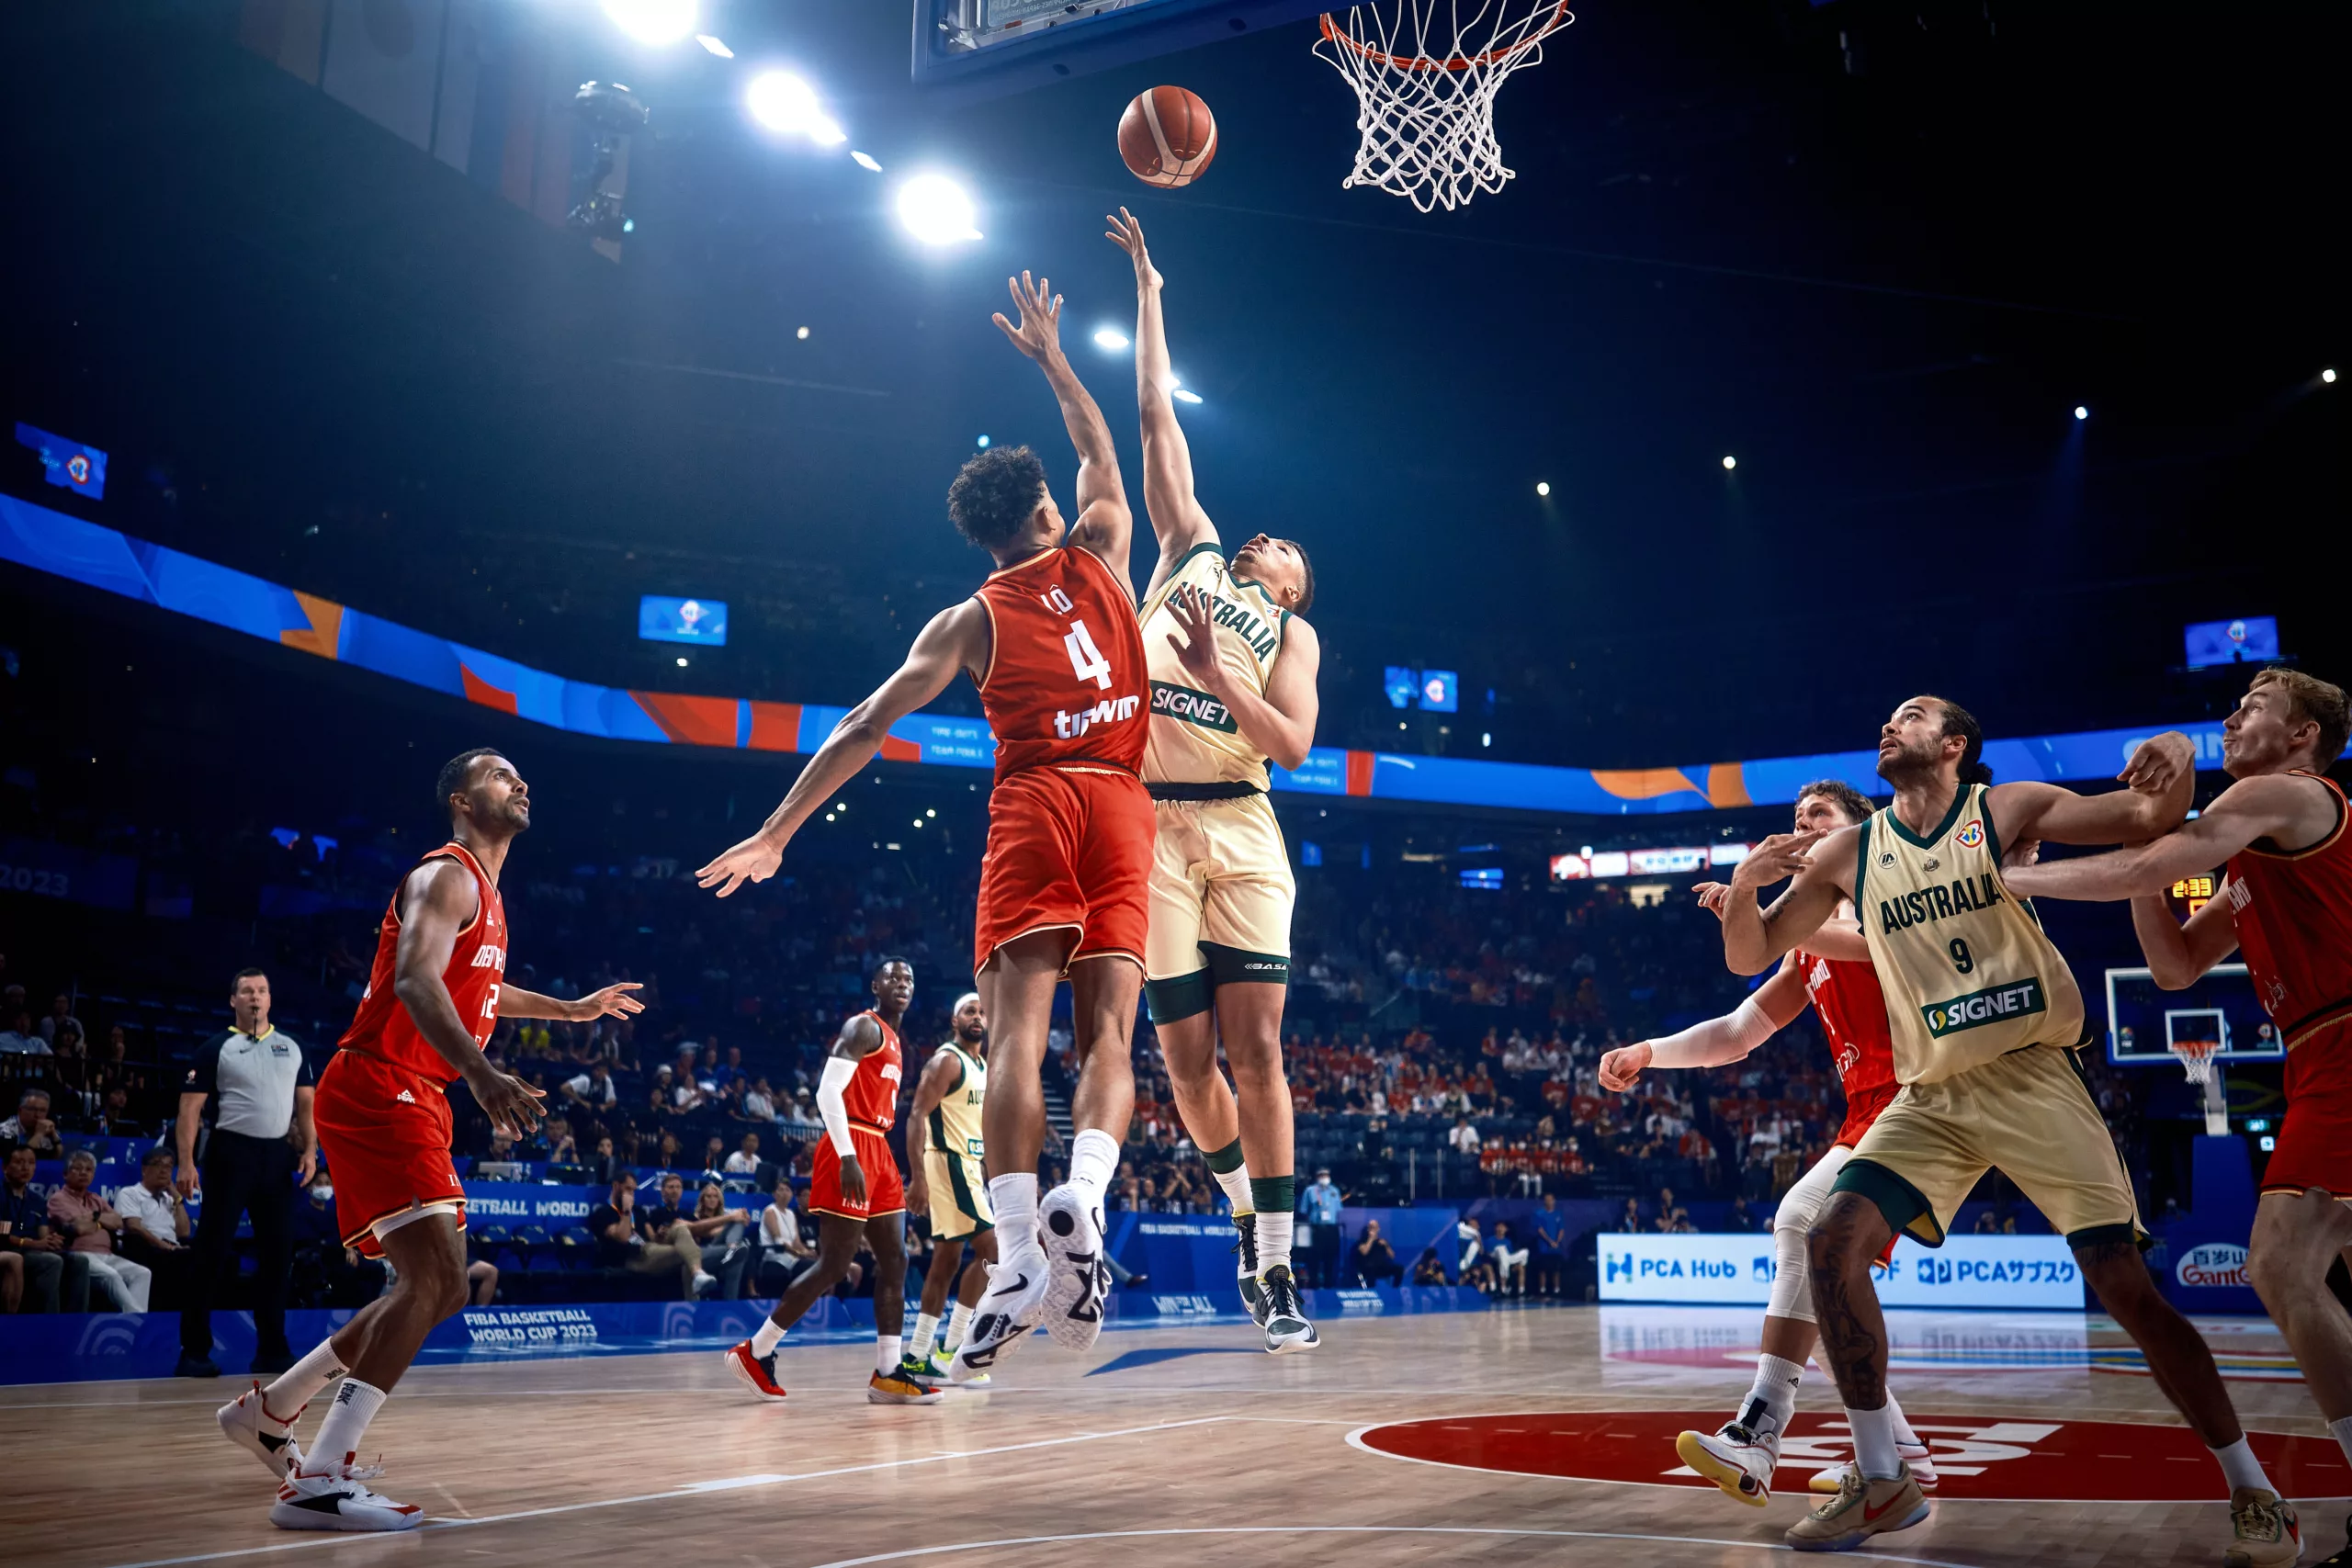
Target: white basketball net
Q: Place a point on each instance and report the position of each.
(1426, 72)
(2195, 1060)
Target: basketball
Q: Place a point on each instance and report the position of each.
(1167, 137)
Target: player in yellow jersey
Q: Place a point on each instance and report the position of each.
(943, 1147)
(1233, 673)
(1987, 1024)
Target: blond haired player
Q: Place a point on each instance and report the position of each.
(1986, 1022)
(1232, 687)
(944, 1145)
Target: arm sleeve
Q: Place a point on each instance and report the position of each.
(831, 1106)
(303, 1076)
(1716, 1041)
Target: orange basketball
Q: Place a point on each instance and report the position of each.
(1167, 137)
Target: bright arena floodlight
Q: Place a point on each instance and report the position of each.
(802, 334)
(715, 45)
(2081, 412)
(1730, 462)
(2328, 377)
(1543, 487)
(865, 161)
(936, 211)
(982, 443)
(653, 21)
(1110, 338)
(782, 101)
(1181, 396)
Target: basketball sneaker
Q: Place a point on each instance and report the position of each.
(1915, 1455)
(901, 1387)
(1077, 1279)
(2263, 1531)
(1011, 1305)
(1863, 1508)
(1246, 1249)
(1738, 1459)
(758, 1372)
(1287, 1329)
(246, 1422)
(335, 1499)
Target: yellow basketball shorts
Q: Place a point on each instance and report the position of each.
(2029, 1115)
(959, 1199)
(1221, 898)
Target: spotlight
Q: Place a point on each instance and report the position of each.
(1543, 487)
(865, 161)
(1730, 463)
(934, 209)
(802, 334)
(653, 21)
(782, 101)
(714, 47)
(682, 661)
(1181, 396)
(983, 443)
(931, 811)
(1110, 338)
(1486, 739)
(2081, 412)
(2328, 377)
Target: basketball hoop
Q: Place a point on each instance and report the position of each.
(2196, 1058)
(1425, 89)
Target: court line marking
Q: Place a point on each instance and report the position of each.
(1355, 1440)
(691, 1490)
(902, 1555)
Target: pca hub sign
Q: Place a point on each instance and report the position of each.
(2008, 1271)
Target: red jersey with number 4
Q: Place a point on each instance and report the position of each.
(871, 1096)
(2293, 915)
(1066, 680)
(1852, 1011)
(477, 964)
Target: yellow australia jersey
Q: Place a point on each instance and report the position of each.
(1193, 739)
(1968, 973)
(955, 1119)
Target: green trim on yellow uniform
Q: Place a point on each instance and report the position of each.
(1906, 1207)
(1238, 967)
(1179, 997)
(1959, 802)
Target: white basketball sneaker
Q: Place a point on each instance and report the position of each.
(335, 1499)
(1010, 1308)
(1735, 1457)
(246, 1422)
(1913, 1455)
(1077, 1279)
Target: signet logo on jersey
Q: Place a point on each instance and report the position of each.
(1995, 1005)
(1191, 707)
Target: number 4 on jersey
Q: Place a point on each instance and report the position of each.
(1085, 658)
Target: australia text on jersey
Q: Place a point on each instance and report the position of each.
(1248, 625)
(1963, 896)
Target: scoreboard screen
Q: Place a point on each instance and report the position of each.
(664, 618)
(2249, 640)
(2191, 894)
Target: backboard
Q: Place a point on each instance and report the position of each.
(2143, 1021)
(970, 50)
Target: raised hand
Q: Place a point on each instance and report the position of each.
(2158, 760)
(613, 1001)
(1777, 859)
(1713, 896)
(753, 860)
(1190, 607)
(1038, 333)
(1127, 232)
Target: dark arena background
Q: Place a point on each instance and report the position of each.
(584, 380)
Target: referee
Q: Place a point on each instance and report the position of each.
(250, 1088)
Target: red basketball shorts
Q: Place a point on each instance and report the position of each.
(2314, 1147)
(1862, 1107)
(1068, 850)
(386, 1135)
(885, 1191)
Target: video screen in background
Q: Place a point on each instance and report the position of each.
(2249, 640)
(663, 618)
(1437, 690)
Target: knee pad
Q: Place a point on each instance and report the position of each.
(1793, 1286)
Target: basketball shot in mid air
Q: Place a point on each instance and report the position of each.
(1167, 137)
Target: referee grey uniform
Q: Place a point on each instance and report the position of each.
(251, 1087)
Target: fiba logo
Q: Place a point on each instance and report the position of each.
(2216, 1264)
(1969, 837)
(1620, 1267)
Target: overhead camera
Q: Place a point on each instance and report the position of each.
(614, 114)
(609, 108)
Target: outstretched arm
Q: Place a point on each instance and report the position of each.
(1839, 937)
(2161, 779)
(1104, 525)
(1771, 1008)
(1282, 722)
(955, 640)
(2294, 810)
(1177, 520)
(1754, 937)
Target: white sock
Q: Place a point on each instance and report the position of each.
(959, 1324)
(283, 1400)
(1772, 1398)
(1235, 1185)
(355, 1406)
(926, 1335)
(1874, 1442)
(764, 1338)
(1093, 1160)
(1274, 1240)
(886, 1352)
(2241, 1469)
(1902, 1432)
(1015, 1200)
(2342, 1432)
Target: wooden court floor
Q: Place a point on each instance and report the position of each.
(1181, 1444)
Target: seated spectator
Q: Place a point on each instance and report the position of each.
(714, 1157)
(1427, 1269)
(155, 1227)
(785, 1253)
(1739, 1218)
(1510, 1262)
(804, 1111)
(720, 1228)
(1462, 1138)
(759, 1102)
(91, 1221)
(30, 1127)
(1373, 1261)
(621, 1244)
(38, 1271)
(604, 1163)
(1630, 1222)
(1988, 1223)
(19, 1039)
(325, 1266)
(593, 1091)
(1473, 1242)
(745, 1161)
(60, 1013)
(1671, 1216)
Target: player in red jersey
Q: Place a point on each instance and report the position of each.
(857, 1194)
(2287, 905)
(436, 991)
(1052, 642)
(1835, 978)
